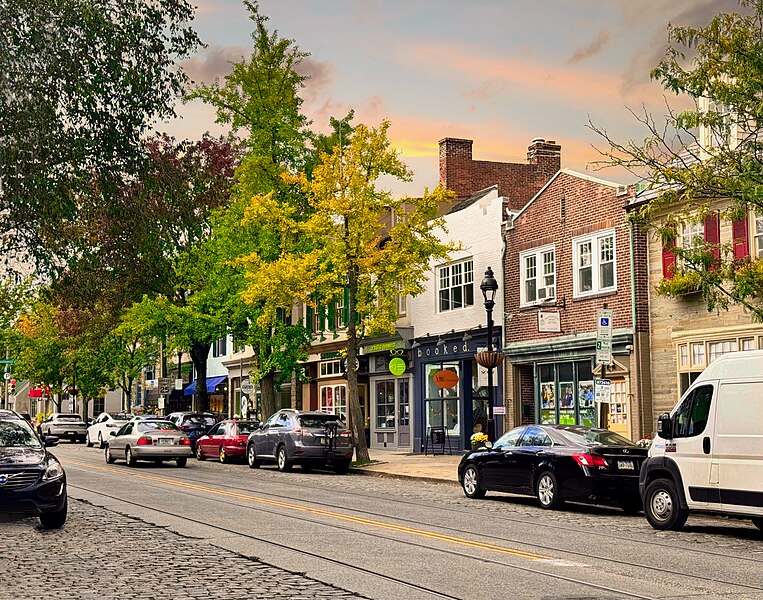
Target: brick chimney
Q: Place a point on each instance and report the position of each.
(547, 154)
(456, 167)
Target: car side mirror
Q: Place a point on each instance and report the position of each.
(51, 440)
(665, 426)
(113, 433)
(488, 445)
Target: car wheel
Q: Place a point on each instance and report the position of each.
(282, 459)
(131, 460)
(101, 443)
(662, 506)
(200, 454)
(54, 520)
(547, 491)
(109, 458)
(758, 522)
(251, 457)
(342, 467)
(223, 457)
(630, 506)
(471, 482)
(88, 443)
(182, 462)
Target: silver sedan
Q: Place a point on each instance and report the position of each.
(151, 440)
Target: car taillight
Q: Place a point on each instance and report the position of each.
(590, 460)
(346, 433)
(144, 440)
(185, 441)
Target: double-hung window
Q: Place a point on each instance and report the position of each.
(595, 268)
(455, 285)
(538, 275)
(759, 235)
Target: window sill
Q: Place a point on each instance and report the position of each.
(550, 304)
(595, 295)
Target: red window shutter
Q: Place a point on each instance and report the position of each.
(739, 238)
(668, 260)
(713, 236)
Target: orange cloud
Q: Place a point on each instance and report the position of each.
(561, 82)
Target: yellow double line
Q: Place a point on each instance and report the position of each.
(325, 513)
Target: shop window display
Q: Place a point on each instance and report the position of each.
(442, 403)
(566, 394)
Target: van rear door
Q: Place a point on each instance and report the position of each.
(739, 446)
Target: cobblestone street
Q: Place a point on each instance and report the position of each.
(103, 554)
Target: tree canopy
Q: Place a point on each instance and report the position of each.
(708, 153)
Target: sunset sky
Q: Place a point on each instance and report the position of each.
(500, 72)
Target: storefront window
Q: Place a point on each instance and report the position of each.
(566, 395)
(442, 403)
(334, 399)
(479, 398)
(385, 403)
(404, 402)
(586, 407)
(547, 394)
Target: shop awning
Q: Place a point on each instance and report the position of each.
(212, 383)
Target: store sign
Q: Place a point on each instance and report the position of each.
(397, 366)
(326, 355)
(499, 410)
(602, 390)
(383, 346)
(445, 379)
(549, 321)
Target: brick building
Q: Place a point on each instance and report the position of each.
(570, 252)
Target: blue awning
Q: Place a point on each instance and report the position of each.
(212, 383)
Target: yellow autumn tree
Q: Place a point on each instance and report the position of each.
(357, 237)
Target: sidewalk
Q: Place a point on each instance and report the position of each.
(405, 465)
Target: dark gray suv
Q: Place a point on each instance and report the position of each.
(309, 439)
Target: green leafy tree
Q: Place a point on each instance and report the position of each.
(343, 245)
(81, 84)
(707, 157)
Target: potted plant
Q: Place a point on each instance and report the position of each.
(478, 440)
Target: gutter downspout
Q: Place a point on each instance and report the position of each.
(636, 341)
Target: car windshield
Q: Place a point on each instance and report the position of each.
(17, 434)
(157, 425)
(318, 420)
(246, 427)
(594, 437)
(197, 420)
(68, 418)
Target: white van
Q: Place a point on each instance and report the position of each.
(708, 453)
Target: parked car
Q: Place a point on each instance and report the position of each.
(105, 423)
(707, 455)
(64, 425)
(27, 417)
(226, 440)
(193, 424)
(32, 481)
(309, 439)
(557, 463)
(148, 439)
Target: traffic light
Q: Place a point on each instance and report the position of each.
(12, 389)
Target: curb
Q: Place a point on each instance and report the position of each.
(400, 476)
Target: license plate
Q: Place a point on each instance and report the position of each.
(71, 433)
(625, 465)
(164, 441)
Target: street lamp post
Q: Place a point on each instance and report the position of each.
(489, 359)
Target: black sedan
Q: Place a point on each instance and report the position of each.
(32, 481)
(556, 463)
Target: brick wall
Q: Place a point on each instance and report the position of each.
(571, 206)
(517, 182)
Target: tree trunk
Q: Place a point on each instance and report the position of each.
(357, 422)
(199, 355)
(268, 395)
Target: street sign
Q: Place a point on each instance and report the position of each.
(247, 387)
(165, 385)
(160, 402)
(178, 384)
(602, 389)
(604, 336)
(499, 410)
(6, 375)
(7, 361)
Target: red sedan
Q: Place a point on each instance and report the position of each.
(226, 440)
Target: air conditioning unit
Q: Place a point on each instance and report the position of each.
(547, 293)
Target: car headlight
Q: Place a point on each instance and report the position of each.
(54, 470)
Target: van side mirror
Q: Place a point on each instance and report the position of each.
(665, 426)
